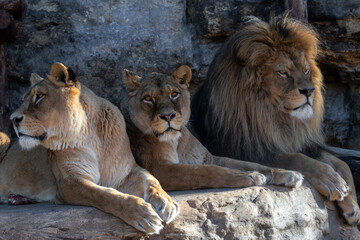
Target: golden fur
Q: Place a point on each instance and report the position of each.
(263, 99)
(90, 162)
(157, 110)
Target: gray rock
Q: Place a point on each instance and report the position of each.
(333, 9)
(99, 40)
(250, 213)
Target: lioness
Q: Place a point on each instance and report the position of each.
(262, 101)
(157, 111)
(90, 152)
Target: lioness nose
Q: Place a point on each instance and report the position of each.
(307, 91)
(17, 120)
(167, 117)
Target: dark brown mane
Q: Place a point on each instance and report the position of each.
(231, 112)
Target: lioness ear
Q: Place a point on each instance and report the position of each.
(62, 75)
(34, 78)
(183, 74)
(131, 81)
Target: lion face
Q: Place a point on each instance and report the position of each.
(287, 77)
(159, 105)
(51, 113)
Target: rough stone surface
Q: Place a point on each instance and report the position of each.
(99, 40)
(250, 213)
(338, 24)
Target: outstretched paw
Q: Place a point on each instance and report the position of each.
(163, 204)
(142, 216)
(350, 210)
(286, 178)
(257, 178)
(329, 183)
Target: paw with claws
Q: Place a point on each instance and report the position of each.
(329, 183)
(350, 209)
(256, 178)
(163, 204)
(246, 179)
(285, 178)
(141, 216)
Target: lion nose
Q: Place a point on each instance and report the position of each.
(307, 91)
(167, 117)
(17, 120)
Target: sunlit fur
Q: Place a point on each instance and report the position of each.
(244, 109)
(262, 102)
(146, 114)
(89, 152)
(166, 147)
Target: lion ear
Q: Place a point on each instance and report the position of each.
(183, 75)
(34, 78)
(131, 81)
(62, 75)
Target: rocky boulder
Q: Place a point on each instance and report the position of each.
(251, 213)
(99, 39)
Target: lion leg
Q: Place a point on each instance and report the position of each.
(274, 176)
(133, 210)
(79, 187)
(348, 205)
(321, 175)
(184, 176)
(330, 176)
(142, 184)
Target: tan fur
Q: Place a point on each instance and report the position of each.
(157, 113)
(252, 106)
(89, 154)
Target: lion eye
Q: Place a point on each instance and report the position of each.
(307, 71)
(148, 99)
(283, 74)
(38, 98)
(174, 95)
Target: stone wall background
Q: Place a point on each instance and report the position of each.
(98, 39)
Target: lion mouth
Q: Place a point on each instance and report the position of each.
(40, 138)
(170, 129)
(302, 106)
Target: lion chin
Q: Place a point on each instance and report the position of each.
(28, 143)
(303, 113)
(168, 135)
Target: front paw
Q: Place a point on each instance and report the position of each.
(141, 216)
(256, 178)
(163, 204)
(350, 210)
(286, 178)
(329, 183)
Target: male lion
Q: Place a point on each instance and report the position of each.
(262, 101)
(157, 111)
(90, 153)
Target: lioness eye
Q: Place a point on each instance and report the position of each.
(174, 95)
(283, 74)
(148, 99)
(38, 98)
(307, 71)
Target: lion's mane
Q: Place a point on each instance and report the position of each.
(232, 112)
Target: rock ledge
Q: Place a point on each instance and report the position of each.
(251, 213)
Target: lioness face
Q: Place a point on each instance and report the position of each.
(287, 77)
(159, 105)
(48, 112)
